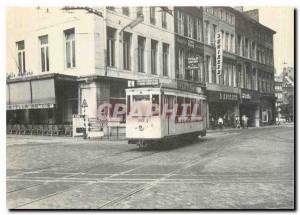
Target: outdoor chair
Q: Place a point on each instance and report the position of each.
(8, 129)
(29, 129)
(68, 130)
(47, 129)
(35, 129)
(40, 129)
(22, 129)
(57, 130)
(18, 129)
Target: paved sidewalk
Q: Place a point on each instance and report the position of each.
(228, 130)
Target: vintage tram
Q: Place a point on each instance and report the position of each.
(158, 112)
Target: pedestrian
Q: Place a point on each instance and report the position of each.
(213, 122)
(237, 122)
(220, 122)
(245, 121)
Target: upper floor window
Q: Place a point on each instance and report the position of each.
(70, 48)
(126, 50)
(190, 26)
(152, 15)
(139, 11)
(223, 15)
(232, 19)
(110, 54)
(164, 19)
(232, 43)
(154, 57)
(44, 53)
(207, 32)
(180, 23)
(227, 41)
(125, 11)
(21, 57)
(165, 59)
(213, 34)
(141, 54)
(199, 30)
(181, 63)
(111, 8)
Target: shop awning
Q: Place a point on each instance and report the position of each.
(30, 94)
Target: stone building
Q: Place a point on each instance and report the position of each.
(59, 57)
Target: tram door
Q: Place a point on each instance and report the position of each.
(167, 119)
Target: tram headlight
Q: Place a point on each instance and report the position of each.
(141, 128)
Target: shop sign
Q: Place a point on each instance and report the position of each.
(78, 125)
(250, 96)
(30, 106)
(218, 96)
(228, 96)
(181, 41)
(192, 63)
(219, 53)
(191, 44)
(186, 86)
(246, 96)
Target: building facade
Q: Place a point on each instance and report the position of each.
(59, 57)
(278, 91)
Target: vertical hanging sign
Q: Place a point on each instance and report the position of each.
(219, 53)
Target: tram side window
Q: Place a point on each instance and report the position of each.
(193, 102)
(128, 105)
(180, 101)
(168, 104)
(188, 104)
(155, 104)
(199, 107)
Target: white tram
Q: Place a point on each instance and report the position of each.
(157, 113)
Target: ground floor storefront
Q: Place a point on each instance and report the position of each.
(41, 104)
(267, 109)
(223, 105)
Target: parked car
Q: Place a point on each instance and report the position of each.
(280, 120)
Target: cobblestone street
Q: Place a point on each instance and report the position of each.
(246, 169)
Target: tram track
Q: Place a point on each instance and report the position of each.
(186, 165)
(146, 186)
(77, 173)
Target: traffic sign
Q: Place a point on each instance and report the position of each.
(84, 103)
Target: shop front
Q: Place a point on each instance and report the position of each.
(250, 106)
(267, 109)
(44, 99)
(223, 104)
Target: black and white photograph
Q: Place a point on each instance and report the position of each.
(147, 107)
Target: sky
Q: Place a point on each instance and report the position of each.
(281, 20)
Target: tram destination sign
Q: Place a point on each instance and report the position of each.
(219, 53)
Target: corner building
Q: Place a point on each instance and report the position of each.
(57, 58)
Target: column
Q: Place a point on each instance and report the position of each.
(257, 117)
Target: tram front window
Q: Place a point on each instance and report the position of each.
(138, 98)
(140, 105)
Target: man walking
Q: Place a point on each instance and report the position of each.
(245, 121)
(220, 122)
